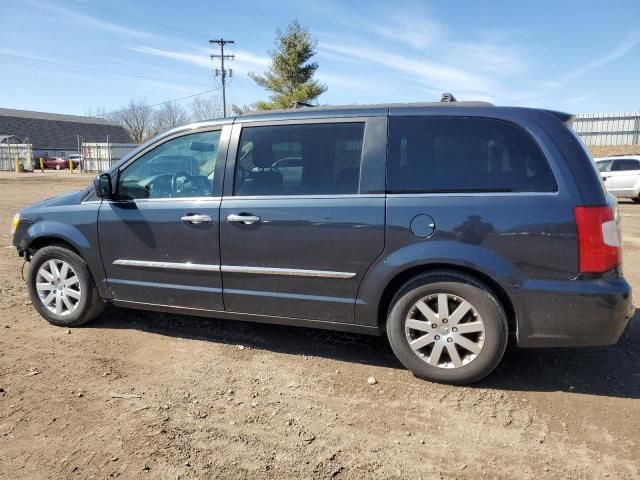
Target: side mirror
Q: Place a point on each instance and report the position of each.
(102, 185)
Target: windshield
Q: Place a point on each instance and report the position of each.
(604, 165)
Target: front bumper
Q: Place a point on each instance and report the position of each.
(574, 313)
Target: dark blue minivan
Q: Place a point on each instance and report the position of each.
(449, 227)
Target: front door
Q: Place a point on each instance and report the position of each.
(298, 227)
(159, 236)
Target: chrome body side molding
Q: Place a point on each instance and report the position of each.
(291, 272)
(200, 267)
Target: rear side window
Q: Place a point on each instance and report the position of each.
(625, 165)
(464, 154)
(312, 159)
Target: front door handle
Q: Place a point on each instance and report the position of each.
(196, 218)
(243, 218)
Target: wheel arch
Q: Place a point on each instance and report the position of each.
(47, 233)
(406, 275)
(50, 240)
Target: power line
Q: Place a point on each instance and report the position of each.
(223, 73)
(84, 67)
(162, 103)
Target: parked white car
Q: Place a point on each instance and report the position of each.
(621, 175)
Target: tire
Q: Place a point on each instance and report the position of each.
(77, 301)
(447, 360)
(58, 167)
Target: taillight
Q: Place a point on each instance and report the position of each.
(598, 239)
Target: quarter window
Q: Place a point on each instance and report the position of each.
(464, 154)
(182, 167)
(312, 159)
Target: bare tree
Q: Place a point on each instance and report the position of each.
(99, 112)
(204, 108)
(170, 115)
(138, 119)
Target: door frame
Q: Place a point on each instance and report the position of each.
(374, 151)
(372, 181)
(225, 128)
(372, 185)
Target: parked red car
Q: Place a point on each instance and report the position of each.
(59, 163)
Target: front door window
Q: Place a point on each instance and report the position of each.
(182, 167)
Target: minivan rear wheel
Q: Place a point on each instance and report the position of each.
(61, 287)
(447, 327)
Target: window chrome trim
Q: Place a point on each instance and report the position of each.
(200, 267)
(182, 131)
(303, 197)
(168, 199)
(474, 194)
(293, 272)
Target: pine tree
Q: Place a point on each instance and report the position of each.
(290, 76)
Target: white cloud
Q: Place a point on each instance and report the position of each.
(619, 51)
(87, 22)
(420, 50)
(577, 100)
(492, 50)
(432, 74)
(200, 59)
(493, 58)
(243, 62)
(415, 32)
(249, 58)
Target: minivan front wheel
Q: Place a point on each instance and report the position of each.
(447, 327)
(61, 287)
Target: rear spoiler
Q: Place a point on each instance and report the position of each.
(562, 116)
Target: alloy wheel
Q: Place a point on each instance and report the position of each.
(445, 330)
(58, 287)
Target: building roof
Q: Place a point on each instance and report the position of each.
(56, 131)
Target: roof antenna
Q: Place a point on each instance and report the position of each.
(448, 98)
(298, 104)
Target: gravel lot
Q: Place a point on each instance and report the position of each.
(142, 395)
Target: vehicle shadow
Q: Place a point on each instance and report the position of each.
(608, 371)
(612, 371)
(342, 346)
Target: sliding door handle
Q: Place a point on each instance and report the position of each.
(243, 218)
(196, 219)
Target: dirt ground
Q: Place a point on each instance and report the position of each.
(605, 151)
(221, 399)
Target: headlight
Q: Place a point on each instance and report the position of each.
(14, 223)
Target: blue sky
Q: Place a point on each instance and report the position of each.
(70, 56)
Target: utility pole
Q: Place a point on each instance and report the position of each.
(222, 72)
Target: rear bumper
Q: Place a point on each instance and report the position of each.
(573, 313)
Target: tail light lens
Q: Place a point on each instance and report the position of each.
(598, 239)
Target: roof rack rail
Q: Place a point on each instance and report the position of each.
(297, 104)
(448, 98)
